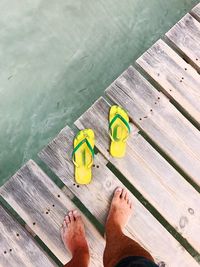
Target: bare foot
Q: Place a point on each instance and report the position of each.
(120, 209)
(73, 233)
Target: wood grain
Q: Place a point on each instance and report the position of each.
(196, 12)
(177, 79)
(150, 173)
(185, 35)
(97, 196)
(17, 246)
(42, 205)
(57, 155)
(159, 119)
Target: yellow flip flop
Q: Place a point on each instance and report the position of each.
(83, 155)
(119, 129)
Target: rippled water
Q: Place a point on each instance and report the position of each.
(57, 57)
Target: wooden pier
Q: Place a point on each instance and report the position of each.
(161, 168)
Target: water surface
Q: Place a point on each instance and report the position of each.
(57, 58)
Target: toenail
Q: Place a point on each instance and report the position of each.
(119, 189)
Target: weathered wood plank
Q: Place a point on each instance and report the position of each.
(42, 205)
(142, 161)
(196, 12)
(185, 35)
(57, 155)
(97, 196)
(159, 119)
(176, 78)
(17, 246)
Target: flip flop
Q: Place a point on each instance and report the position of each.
(119, 130)
(83, 155)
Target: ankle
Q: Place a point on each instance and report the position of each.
(113, 230)
(81, 252)
(80, 258)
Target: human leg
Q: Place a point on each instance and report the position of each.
(118, 245)
(73, 236)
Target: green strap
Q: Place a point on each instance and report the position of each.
(118, 116)
(80, 144)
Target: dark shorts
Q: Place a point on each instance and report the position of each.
(134, 261)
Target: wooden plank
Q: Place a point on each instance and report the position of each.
(185, 35)
(42, 205)
(142, 161)
(57, 155)
(159, 119)
(17, 246)
(196, 12)
(177, 79)
(97, 196)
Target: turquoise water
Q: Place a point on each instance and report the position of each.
(57, 57)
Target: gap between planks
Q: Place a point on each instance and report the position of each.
(97, 196)
(42, 205)
(18, 247)
(142, 161)
(196, 12)
(159, 119)
(185, 38)
(177, 79)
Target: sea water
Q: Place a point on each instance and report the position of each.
(57, 58)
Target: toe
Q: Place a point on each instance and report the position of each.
(124, 193)
(64, 224)
(67, 219)
(118, 192)
(129, 202)
(71, 216)
(126, 196)
(76, 214)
